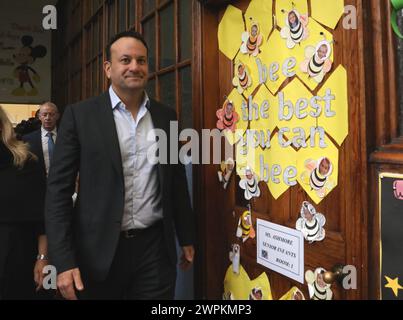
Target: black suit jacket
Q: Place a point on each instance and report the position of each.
(87, 236)
(34, 139)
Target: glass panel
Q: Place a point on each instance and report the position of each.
(132, 12)
(168, 89)
(148, 5)
(167, 40)
(111, 20)
(149, 36)
(122, 15)
(186, 98)
(185, 27)
(151, 88)
(400, 65)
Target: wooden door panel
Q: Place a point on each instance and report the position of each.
(343, 207)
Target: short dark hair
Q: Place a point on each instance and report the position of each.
(125, 34)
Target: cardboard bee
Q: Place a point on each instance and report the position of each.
(242, 79)
(227, 116)
(250, 184)
(311, 223)
(317, 61)
(295, 29)
(245, 228)
(293, 294)
(318, 288)
(317, 175)
(225, 173)
(252, 40)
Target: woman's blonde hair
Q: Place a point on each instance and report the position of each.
(18, 148)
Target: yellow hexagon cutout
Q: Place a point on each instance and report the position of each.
(253, 71)
(266, 107)
(242, 124)
(305, 54)
(337, 125)
(230, 32)
(295, 94)
(284, 158)
(318, 170)
(260, 11)
(287, 5)
(327, 13)
(274, 54)
(239, 286)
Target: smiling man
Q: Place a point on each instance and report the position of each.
(118, 242)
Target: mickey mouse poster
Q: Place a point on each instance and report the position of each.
(25, 58)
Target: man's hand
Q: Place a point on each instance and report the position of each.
(38, 273)
(68, 281)
(187, 257)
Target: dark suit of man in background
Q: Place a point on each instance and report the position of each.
(41, 143)
(119, 240)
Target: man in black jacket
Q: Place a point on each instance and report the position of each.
(119, 240)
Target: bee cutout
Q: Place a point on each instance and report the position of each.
(250, 184)
(318, 288)
(256, 294)
(293, 294)
(295, 29)
(398, 189)
(245, 228)
(317, 61)
(311, 223)
(235, 257)
(226, 170)
(242, 79)
(252, 40)
(317, 175)
(227, 116)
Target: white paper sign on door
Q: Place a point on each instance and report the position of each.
(280, 249)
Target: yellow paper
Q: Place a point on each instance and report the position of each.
(262, 97)
(327, 12)
(250, 62)
(260, 11)
(276, 51)
(293, 92)
(307, 161)
(241, 125)
(293, 294)
(240, 285)
(300, 5)
(285, 157)
(230, 32)
(315, 36)
(337, 126)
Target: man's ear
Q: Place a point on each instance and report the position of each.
(107, 69)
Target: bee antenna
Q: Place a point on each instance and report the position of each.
(282, 10)
(293, 5)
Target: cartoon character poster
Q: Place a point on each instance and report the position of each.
(25, 56)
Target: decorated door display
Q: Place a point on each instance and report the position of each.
(288, 83)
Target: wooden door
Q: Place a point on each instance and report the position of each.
(345, 207)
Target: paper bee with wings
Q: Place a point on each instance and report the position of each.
(225, 172)
(250, 184)
(318, 176)
(311, 223)
(318, 288)
(317, 61)
(295, 29)
(252, 40)
(242, 79)
(245, 228)
(227, 116)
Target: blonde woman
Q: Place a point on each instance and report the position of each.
(22, 192)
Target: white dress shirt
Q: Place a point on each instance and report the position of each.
(143, 199)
